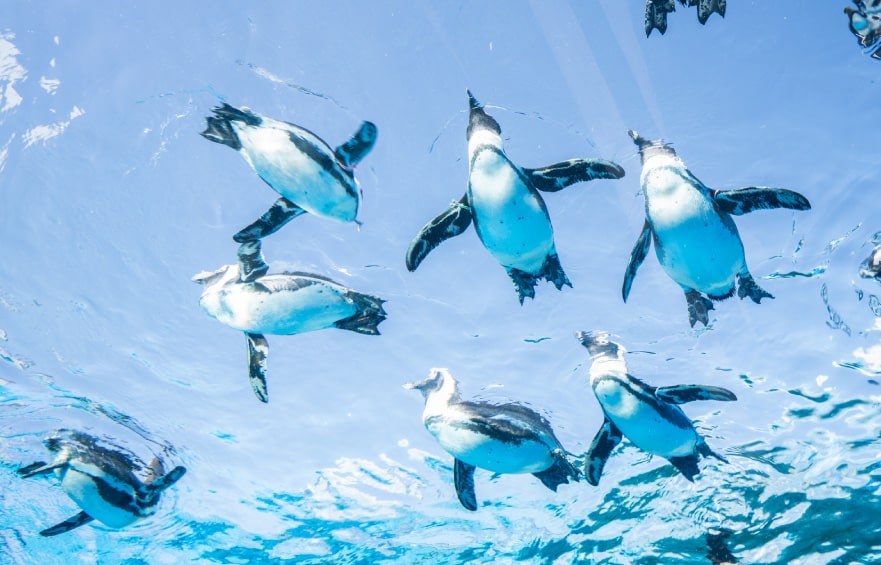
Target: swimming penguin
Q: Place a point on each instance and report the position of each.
(695, 238)
(101, 481)
(296, 163)
(656, 12)
(503, 438)
(504, 203)
(650, 417)
(871, 266)
(246, 298)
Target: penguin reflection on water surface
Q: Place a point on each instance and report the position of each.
(871, 265)
(248, 299)
(696, 241)
(102, 481)
(503, 438)
(309, 175)
(503, 202)
(649, 416)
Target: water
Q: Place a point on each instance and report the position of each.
(111, 202)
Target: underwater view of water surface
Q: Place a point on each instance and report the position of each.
(170, 394)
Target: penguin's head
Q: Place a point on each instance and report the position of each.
(599, 344)
(220, 276)
(65, 439)
(436, 380)
(650, 148)
(479, 120)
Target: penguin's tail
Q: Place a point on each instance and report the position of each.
(368, 317)
(705, 451)
(559, 473)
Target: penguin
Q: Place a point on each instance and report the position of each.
(102, 481)
(300, 166)
(656, 12)
(865, 24)
(696, 240)
(246, 298)
(505, 206)
(870, 268)
(649, 416)
(503, 438)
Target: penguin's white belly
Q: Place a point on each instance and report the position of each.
(283, 312)
(697, 249)
(509, 217)
(641, 423)
(487, 452)
(297, 176)
(81, 487)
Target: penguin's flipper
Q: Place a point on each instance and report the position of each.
(680, 394)
(746, 200)
(360, 144)
(39, 468)
(463, 477)
(251, 263)
(75, 522)
(370, 314)
(698, 307)
(746, 286)
(167, 479)
(446, 225)
(566, 173)
(280, 213)
(656, 15)
(687, 465)
(558, 473)
(600, 449)
(637, 256)
(258, 350)
(705, 9)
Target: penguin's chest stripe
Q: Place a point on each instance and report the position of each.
(479, 446)
(103, 498)
(306, 169)
(509, 215)
(660, 429)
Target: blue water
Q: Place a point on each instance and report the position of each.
(110, 202)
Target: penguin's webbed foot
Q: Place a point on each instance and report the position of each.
(656, 15)
(746, 286)
(524, 283)
(698, 307)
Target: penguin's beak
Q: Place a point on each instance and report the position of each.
(206, 277)
(595, 341)
(473, 104)
(635, 137)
